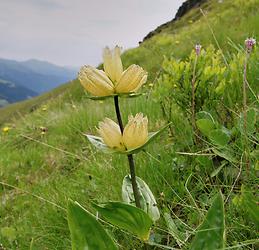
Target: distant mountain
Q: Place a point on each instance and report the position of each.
(10, 92)
(35, 75)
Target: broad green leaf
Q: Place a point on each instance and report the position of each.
(86, 232)
(99, 144)
(127, 217)
(210, 235)
(205, 126)
(147, 199)
(219, 137)
(173, 230)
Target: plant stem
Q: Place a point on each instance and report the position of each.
(130, 156)
(193, 96)
(245, 113)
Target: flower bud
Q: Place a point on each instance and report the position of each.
(95, 81)
(135, 133)
(131, 80)
(112, 63)
(111, 134)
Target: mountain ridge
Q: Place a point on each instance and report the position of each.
(32, 77)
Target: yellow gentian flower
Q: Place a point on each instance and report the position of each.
(134, 135)
(95, 81)
(113, 80)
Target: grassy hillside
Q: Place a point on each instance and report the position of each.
(45, 159)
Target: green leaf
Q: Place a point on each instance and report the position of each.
(127, 217)
(249, 202)
(147, 199)
(217, 170)
(251, 121)
(210, 235)
(205, 126)
(204, 115)
(219, 137)
(226, 153)
(173, 230)
(99, 144)
(205, 161)
(86, 231)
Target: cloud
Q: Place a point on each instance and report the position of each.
(74, 32)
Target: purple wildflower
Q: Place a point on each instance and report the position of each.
(250, 43)
(198, 49)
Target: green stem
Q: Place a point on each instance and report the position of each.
(245, 114)
(193, 98)
(130, 156)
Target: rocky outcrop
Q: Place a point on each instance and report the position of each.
(185, 8)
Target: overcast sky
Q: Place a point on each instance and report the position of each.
(73, 32)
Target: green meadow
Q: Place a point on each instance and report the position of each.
(45, 158)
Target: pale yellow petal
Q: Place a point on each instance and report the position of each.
(111, 134)
(141, 82)
(95, 81)
(112, 63)
(135, 133)
(132, 79)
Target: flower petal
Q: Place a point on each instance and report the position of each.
(132, 79)
(111, 134)
(135, 133)
(95, 81)
(112, 63)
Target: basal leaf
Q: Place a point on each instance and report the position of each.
(127, 217)
(205, 126)
(86, 232)
(219, 137)
(210, 235)
(147, 199)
